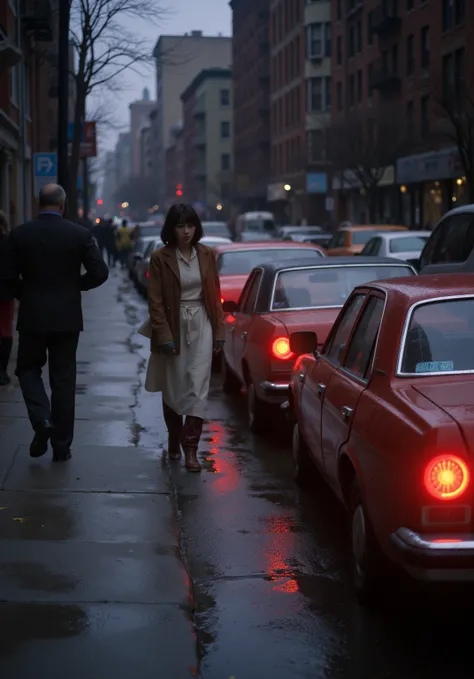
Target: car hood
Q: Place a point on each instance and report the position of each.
(457, 400)
(232, 286)
(319, 321)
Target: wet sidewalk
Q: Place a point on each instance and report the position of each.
(92, 583)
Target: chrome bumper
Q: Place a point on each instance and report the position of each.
(268, 386)
(436, 557)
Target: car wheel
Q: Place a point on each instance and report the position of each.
(304, 467)
(230, 382)
(369, 565)
(256, 409)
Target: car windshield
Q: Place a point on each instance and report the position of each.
(408, 244)
(440, 338)
(362, 237)
(241, 262)
(327, 286)
(215, 229)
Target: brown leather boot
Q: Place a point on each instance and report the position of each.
(174, 424)
(190, 441)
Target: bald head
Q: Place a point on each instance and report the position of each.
(52, 197)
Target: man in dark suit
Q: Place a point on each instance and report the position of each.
(44, 263)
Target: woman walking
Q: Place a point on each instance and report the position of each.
(7, 309)
(186, 329)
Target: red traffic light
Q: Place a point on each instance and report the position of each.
(179, 192)
(100, 201)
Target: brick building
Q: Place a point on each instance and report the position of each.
(251, 110)
(27, 45)
(300, 84)
(394, 60)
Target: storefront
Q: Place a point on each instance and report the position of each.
(430, 184)
(352, 203)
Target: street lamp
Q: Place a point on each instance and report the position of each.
(219, 206)
(287, 187)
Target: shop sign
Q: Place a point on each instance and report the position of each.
(316, 182)
(426, 167)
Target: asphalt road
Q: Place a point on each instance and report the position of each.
(271, 571)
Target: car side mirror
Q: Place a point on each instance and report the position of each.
(229, 307)
(303, 342)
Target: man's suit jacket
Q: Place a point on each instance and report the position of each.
(44, 263)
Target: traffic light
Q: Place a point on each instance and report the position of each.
(100, 201)
(179, 189)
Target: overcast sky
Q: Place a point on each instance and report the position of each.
(210, 16)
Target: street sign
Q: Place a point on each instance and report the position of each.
(88, 139)
(329, 204)
(45, 170)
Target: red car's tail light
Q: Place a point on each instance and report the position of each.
(147, 274)
(447, 477)
(222, 300)
(281, 348)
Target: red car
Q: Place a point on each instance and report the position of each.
(281, 298)
(235, 261)
(386, 413)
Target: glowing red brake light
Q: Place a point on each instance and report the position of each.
(147, 274)
(222, 300)
(281, 348)
(447, 477)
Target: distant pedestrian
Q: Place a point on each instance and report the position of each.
(124, 243)
(7, 306)
(186, 321)
(110, 244)
(46, 256)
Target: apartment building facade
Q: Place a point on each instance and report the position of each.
(251, 109)
(179, 59)
(139, 118)
(393, 60)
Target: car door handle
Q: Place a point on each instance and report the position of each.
(321, 389)
(244, 335)
(346, 412)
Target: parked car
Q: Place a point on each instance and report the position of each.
(236, 261)
(384, 411)
(279, 298)
(322, 239)
(214, 241)
(143, 266)
(350, 240)
(450, 246)
(283, 231)
(213, 229)
(137, 253)
(404, 245)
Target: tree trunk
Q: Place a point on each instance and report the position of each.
(79, 114)
(371, 202)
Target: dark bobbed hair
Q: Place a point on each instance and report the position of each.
(180, 213)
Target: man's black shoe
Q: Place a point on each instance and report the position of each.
(61, 455)
(39, 445)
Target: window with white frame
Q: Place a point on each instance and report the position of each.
(318, 91)
(318, 40)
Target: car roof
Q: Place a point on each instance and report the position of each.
(402, 234)
(460, 210)
(332, 262)
(374, 227)
(265, 245)
(413, 289)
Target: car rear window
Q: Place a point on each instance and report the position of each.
(440, 338)
(408, 244)
(241, 262)
(362, 237)
(327, 286)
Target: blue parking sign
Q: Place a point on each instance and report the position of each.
(46, 165)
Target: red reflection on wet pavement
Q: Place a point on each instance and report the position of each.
(280, 548)
(228, 476)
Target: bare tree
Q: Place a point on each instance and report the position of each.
(455, 124)
(105, 48)
(361, 148)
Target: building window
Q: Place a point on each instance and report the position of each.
(318, 40)
(352, 41)
(424, 115)
(410, 55)
(460, 13)
(225, 97)
(339, 51)
(448, 76)
(448, 14)
(351, 90)
(26, 85)
(370, 28)
(410, 117)
(425, 48)
(460, 72)
(339, 10)
(339, 96)
(318, 95)
(225, 129)
(410, 5)
(15, 85)
(395, 59)
(225, 162)
(359, 87)
(359, 37)
(316, 149)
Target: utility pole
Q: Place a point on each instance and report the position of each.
(63, 92)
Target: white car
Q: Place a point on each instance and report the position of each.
(214, 241)
(399, 244)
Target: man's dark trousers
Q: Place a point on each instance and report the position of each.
(59, 349)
